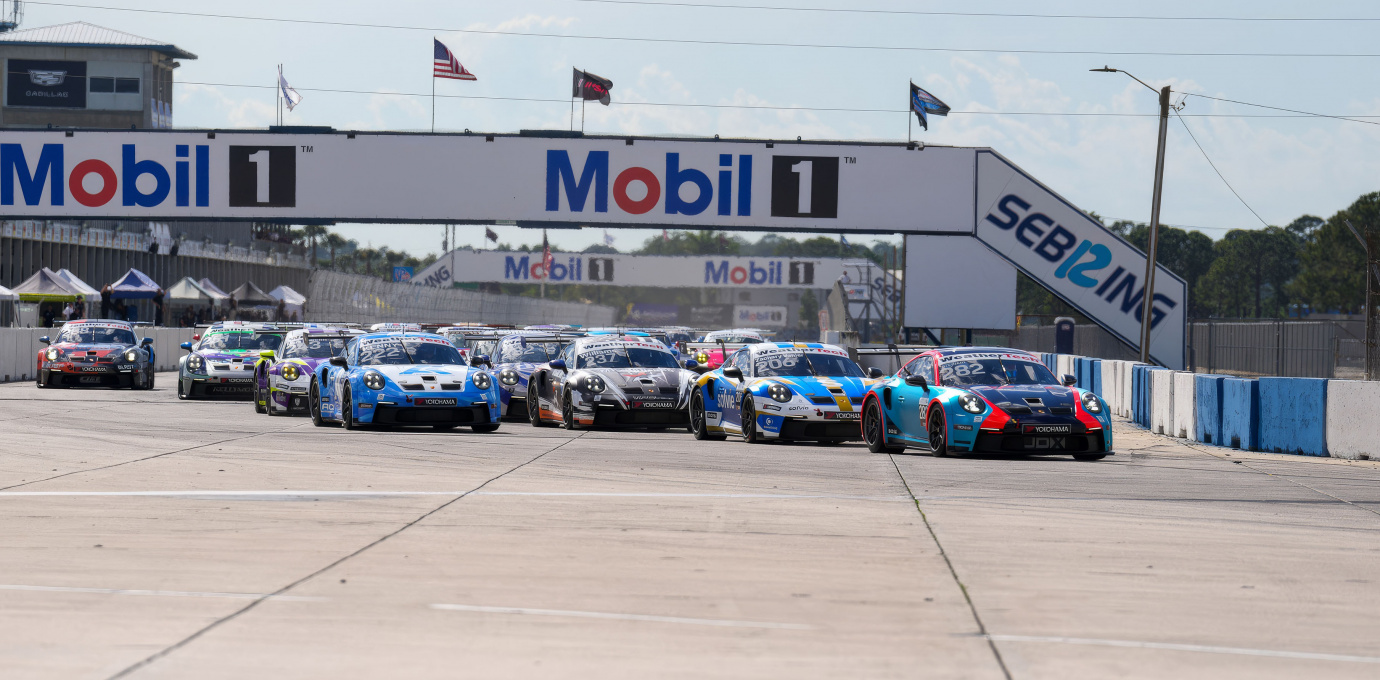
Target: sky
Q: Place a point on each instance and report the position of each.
(1089, 136)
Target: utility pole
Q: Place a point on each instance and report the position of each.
(1148, 292)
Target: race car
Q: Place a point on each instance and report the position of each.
(782, 390)
(402, 378)
(96, 353)
(281, 378)
(514, 358)
(220, 362)
(473, 341)
(714, 346)
(610, 381)
(396, 326)
(984, 400)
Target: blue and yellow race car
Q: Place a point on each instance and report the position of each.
(782, 390)
(984, 400)
(403, 378)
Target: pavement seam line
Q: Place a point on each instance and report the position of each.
(146, 661)
(972, 608)
(1243, 463)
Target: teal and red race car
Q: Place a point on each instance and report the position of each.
(96, 353)
(782, 390)
(282, 377)
(984, 400)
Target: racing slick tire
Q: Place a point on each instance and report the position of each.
(939, 440)
(485, 427)
(1089, 456)
(148, 382)
(347, 411)
(314, 405)
(749, 418)
(698, 426)
(874, 429)
(534, 412)
(568, 412)
(260, 397)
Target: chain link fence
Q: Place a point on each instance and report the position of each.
(333, 296)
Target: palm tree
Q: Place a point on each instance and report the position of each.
(334, 242)
(313, 232)
(368, 255)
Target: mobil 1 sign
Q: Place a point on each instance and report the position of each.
(385, 177)
(1076, 258)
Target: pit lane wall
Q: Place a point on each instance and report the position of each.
(1301, 416)
(19, 349)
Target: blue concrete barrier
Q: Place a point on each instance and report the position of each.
(1095, 377)
(1208, 395)
(1241, 414)
(1293, 416)
(1137, 393)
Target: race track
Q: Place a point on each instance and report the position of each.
(151, 538)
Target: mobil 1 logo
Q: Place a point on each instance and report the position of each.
(263, 176)
(805, 186)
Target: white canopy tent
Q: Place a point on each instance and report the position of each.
(189, 292)
(292, 300)
(91, 294)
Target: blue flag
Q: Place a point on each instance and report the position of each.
(923, 103)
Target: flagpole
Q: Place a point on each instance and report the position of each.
(278, 95)
(572, 113)
(582, 114)
(909, 125)
(433, 102)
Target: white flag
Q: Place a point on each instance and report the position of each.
(289, 95)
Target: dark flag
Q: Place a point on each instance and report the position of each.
(490, 234)
(922, 103)
(546, 258)
(590, 87)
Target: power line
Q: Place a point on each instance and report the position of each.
(765, 107)
(717, 43)
(1354, 119)
(1214, 169)
(1002, 15)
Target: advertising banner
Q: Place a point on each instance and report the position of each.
(1077, 259)
(651, 314)
(759, 316)
(50, 84)
(492, 266)
(386, 177)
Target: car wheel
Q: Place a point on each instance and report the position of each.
(314, 405)
(260, 401)
(698, 424)
(1089, 456)
(939, 440)
(148, 384)
(568, 412)
(347, 410)
(750, 422)
(874, 429)
(268, 404)
(534, 412)
(486, 427)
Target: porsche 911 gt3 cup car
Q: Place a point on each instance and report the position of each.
(221, 360)
(96, 353)
(610, 381)
(984, 400)
(401, 378)
(514, 358)
(782, 390)
(396, 326)
(710, 351)
(282, 378)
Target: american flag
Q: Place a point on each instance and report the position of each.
(446, 65)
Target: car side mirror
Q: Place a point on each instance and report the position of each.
(874, 372)
(480, 360)
(45, 340)
(266, 354)
(733, 372)
(1067, 380)
(558, 364)
(196, 337)
(186, 346)
(918, 381)
(692, 364)
(146, 342)
(340, 361)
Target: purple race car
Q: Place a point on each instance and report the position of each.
(282, 378)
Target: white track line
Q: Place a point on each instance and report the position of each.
(159, 593)
(1242, 651)
(291, 493)
(620, 617)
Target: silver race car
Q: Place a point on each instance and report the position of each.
(611, 381)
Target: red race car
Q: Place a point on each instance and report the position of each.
(96, 353)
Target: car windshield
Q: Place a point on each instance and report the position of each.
(735, 339)
(92, 333)
(376, 351)
(626, 357)
(478, 347)
(532, 353)
(800, 364)
(962, 372)
(241, 340)
(315, 347)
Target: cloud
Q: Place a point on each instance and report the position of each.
(255, 110)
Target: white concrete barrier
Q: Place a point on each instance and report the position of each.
(1185, 406)
(1108, 380)
(19, 349)
(1065, 364)
(1162, 402)
(1353, 419)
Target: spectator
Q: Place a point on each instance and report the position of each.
(105, 302)
(67, 311)
(79, 309)
(119, 308)
(158, 308)
(280, 314)
(48, 315)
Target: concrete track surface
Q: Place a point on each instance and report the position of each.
(150, 538)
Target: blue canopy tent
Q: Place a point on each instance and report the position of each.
(134, 285)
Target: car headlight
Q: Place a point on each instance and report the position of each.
(971, 403)
(595, 384)
(196, 364)
(702, 358)
(482, 381)
(779, 392)
(291, 373)
(373, 380)
(1091, 403)
(52, 354)
(131, 356)
(509, 377)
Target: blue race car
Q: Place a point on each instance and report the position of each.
(782, 390)
(984, 400)
(514, 359)
(403, 378)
